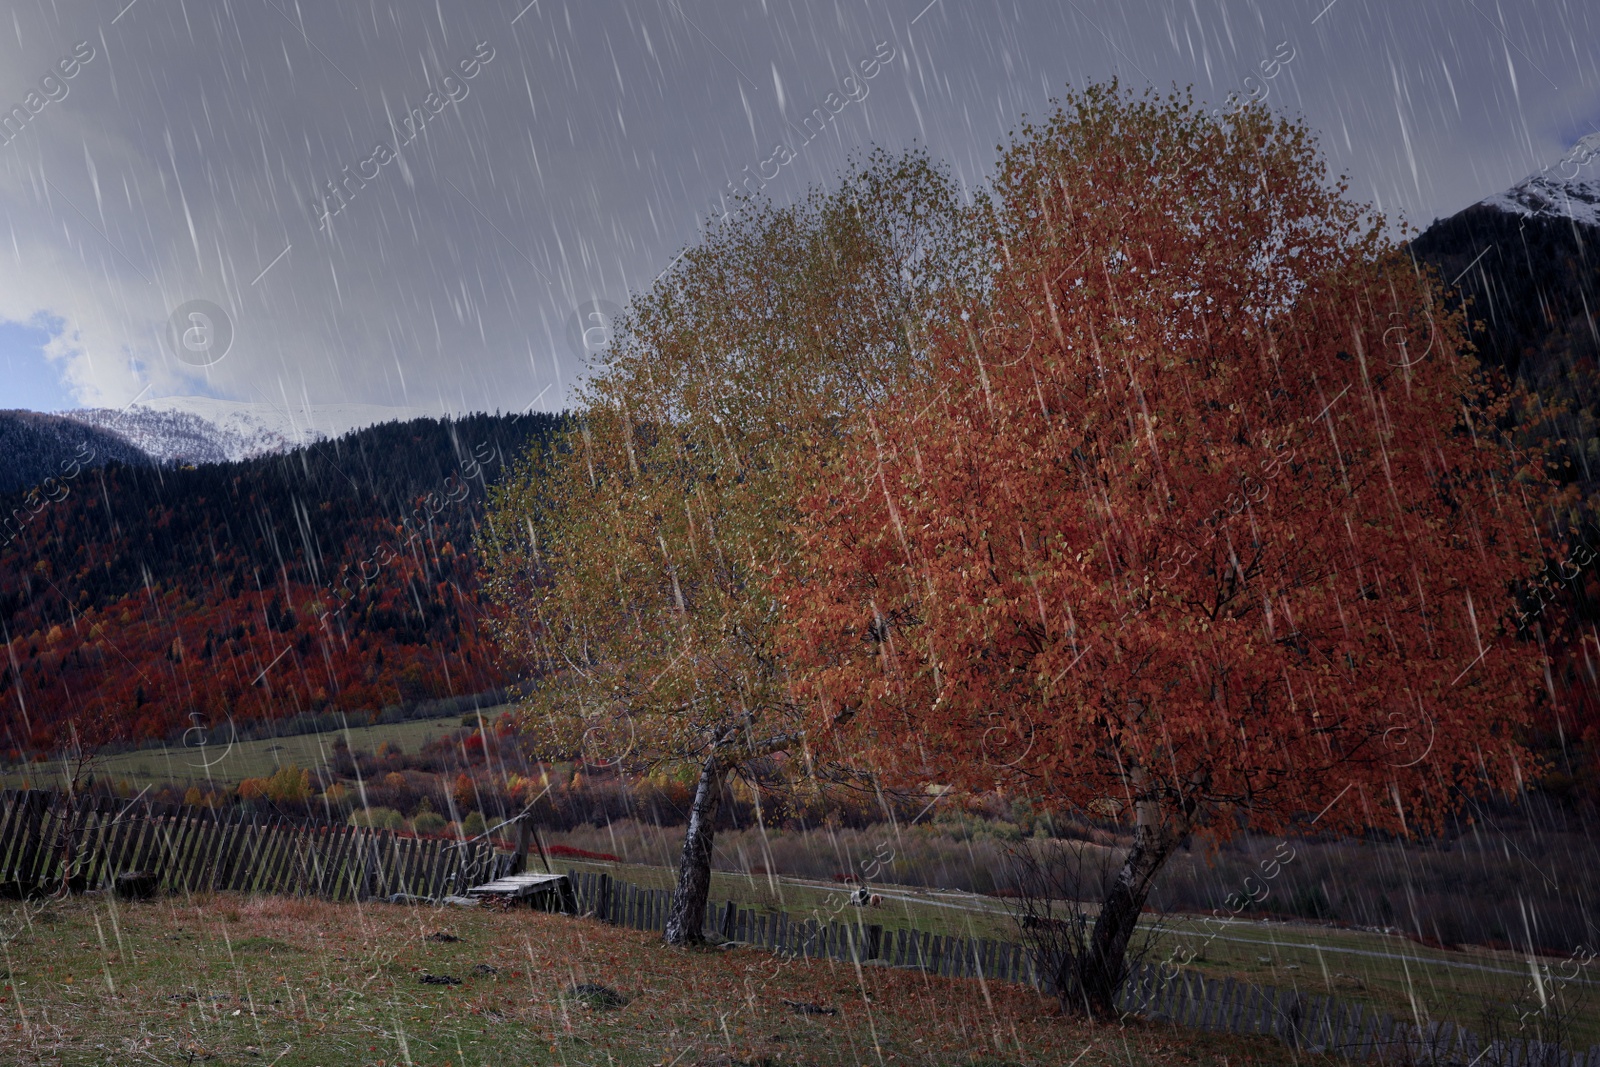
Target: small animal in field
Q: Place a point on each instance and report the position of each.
(863, 898)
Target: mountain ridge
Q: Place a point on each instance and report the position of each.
(180, 430)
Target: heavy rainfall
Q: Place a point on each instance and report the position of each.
(705, 533)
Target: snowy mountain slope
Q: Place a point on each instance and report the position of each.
(174, 437)
(197, 429)
(1569, 189)
(295, 424)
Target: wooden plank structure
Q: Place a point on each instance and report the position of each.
(548, 892)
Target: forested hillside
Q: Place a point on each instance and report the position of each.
(36, 447)
(338, 575)
(1531, 289)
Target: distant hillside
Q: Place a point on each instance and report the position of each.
(337, 575)
(1526, 263)
(36, 447)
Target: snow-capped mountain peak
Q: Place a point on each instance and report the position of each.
(197, 429)
(1566, 189)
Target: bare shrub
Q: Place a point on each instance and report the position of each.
(1052, 881)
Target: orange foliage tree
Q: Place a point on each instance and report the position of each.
(1201, 517)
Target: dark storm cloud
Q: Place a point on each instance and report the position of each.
(384, 227)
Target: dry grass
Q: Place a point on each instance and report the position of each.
(220, 764)
(233, 980)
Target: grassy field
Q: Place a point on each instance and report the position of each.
(232, 980)
(224, 764)
(1392, 973)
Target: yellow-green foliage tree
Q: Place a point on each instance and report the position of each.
(629, 559)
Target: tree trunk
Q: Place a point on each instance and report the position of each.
(1155, 838)
(694, 872)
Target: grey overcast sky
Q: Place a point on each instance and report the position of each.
(184, 159)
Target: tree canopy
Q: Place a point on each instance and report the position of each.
(632, 558)
(1200, 515)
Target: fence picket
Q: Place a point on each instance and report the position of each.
(432, 864)
(193, 855)
(401, 860)
(1194, 992)
(271, 842)
(211, 875)
(350, 864)
(366, 864)
(405, 862)
(37, 864)
(178, 850)
(303, 871)
(344, 856)
(169, 855)
(231, 855)
(92, 845)
(428, 868)
(153, 847)
(32, 829)
(10, 810)
(339, 865)
(322, 842)
(23, 829)
(216, 831)
(189, 851)
(70, 863)
(132, 842)
(112, 835)
(274, 857)
(227, 829)
(143, 830)
(388, 861)
(257, 848)
(432, 880)
(411, 876)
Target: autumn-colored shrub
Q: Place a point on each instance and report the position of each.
(427, 823)
(465, 794)
(378, 819)
(289, 783)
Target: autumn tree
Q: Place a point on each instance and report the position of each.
(630, 559)
(1200, 517)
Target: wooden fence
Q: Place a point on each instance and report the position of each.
(45, 838)
(1182, 998)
